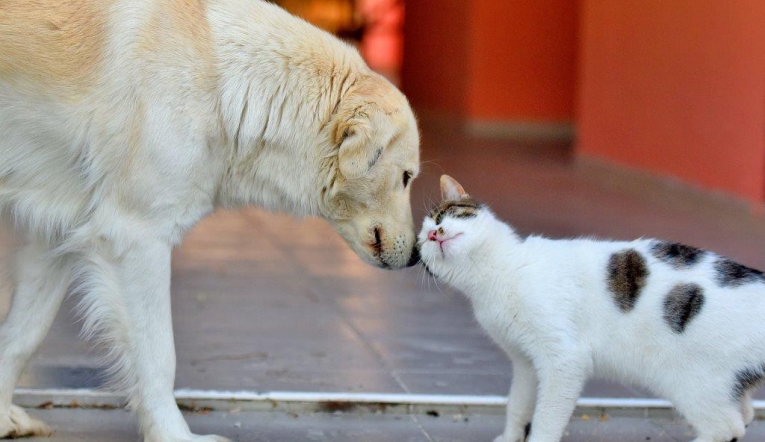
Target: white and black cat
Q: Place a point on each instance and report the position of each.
(687, 324)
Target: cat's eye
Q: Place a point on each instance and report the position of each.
(407, 178)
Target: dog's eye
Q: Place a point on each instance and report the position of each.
(407, 177)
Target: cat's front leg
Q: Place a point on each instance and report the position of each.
(520, 405)
(561, 379)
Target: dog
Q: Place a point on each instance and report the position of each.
(124, 122)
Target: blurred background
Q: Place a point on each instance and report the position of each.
(674, 88)
(612, 118)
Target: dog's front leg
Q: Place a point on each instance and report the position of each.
(41, 282)
(129, 305)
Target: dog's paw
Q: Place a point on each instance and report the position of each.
(17, 423)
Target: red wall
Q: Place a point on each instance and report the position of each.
(492, 59)
(677, 87)
(523, 59)
(434, 73)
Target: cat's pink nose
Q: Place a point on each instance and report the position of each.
(432, 236)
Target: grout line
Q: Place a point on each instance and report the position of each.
(456, 372)
(400, 381)
(662, 430)
(83, 395)
(369, 346)
(349, 323)
(422, 429)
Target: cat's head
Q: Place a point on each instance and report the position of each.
(453, 230)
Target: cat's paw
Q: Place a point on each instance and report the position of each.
(505, 438)
(17, 423)
(514, 434)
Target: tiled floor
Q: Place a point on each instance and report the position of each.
(117, 426)
(265, 302)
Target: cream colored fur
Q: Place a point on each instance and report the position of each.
(124, 122)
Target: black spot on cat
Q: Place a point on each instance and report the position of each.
(748, 379)
(681, 305)
(627, 274)
(677, 255)
(465, 208)
(735, 439)
(527, 431)
(733, 274)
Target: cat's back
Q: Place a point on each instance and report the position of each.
(662, 299)
(640, 262)
(646, 288)
(579, 260)
(568, 277)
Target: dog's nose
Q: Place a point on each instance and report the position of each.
(415, 258)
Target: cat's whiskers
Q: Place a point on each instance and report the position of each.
(433, 162)
(429, 203)
(423, 273)
(428, 273)
(435, 280)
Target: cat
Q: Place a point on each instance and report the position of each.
(687, 324)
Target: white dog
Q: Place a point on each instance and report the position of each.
(123, 122)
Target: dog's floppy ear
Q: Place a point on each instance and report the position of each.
(359, 149)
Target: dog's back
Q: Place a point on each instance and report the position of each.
(78, 81)
(51, 48)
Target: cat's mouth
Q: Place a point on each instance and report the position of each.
(443, 240)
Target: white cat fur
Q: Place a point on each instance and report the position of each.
(547, 304)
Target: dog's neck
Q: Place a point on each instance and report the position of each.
(275, 131)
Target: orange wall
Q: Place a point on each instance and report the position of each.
(492, 59)
(523, 59)
(434, 71)
(677, 87)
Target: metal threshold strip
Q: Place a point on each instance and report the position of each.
(314, 402)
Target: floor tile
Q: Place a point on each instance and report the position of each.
(486, 428)
(117, 426)
(426, 382)
(681, 431)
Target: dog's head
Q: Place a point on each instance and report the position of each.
(376, 140)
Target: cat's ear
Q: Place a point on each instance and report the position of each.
(451, 190)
